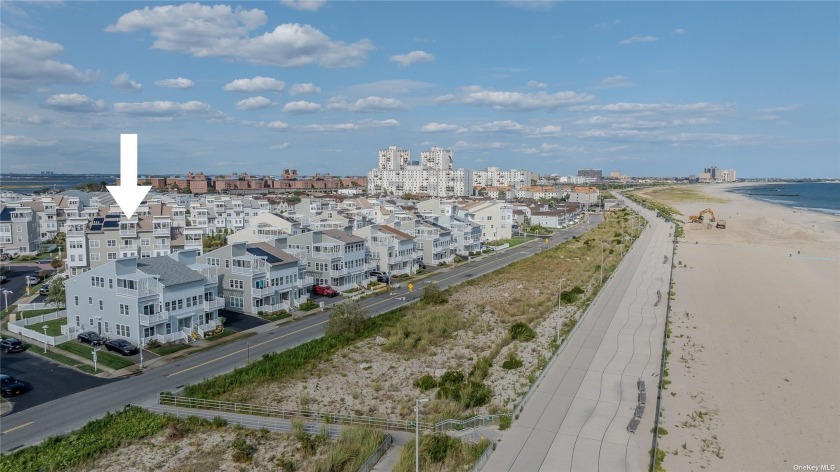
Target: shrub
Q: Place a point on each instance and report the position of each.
(512, 362)
(438, 445)
(175, 431)
(481, 369)
(243, 451)
(522, 332)
(219, 422)
(153, 344)
(432, 295)
(347, 318)
(475, 394)
(451, 377)
(505, 422)
(308, 305)
(426, 382)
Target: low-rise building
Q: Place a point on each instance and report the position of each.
(166, 298)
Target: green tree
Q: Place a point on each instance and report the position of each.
(56, 294)
(347, 318)
(433, 295)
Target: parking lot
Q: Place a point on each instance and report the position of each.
(45, 380)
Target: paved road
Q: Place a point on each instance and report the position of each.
(46, 380)
(577, 418)
(73, 411)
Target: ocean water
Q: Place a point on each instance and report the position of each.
(816, 196)
(29, 183)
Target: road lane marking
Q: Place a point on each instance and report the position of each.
(17, 428)
(245, 349)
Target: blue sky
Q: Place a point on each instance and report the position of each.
(645, 88)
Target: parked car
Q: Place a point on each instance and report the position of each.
(32, 279)
(421, 264)
(8, 345)
(91, 337)
(3, 279)
(44, 261)
(45, 289)
(380, 276)
(122, 346)
(324, 290)
(10, 386)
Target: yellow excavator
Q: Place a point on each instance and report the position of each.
(699, 218)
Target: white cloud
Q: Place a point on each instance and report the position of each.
(498, 126)
(222, 31)
(257, 84)
(536, 84)
(546, 130)
(388, 87)
(465, 145)
(448, 98)
(624, 107)
(253, 103)
(517, 101)
(28, 63)
(548, 149)
(11, 140)
(123, 81)
(179, 83)
(280, 146)
(639, 39)
(438, 127)
(277, 125)
(781, 109)
(301, 107)
(679, 31)
(162, 108)
(531, 5)
(405, 60)
(349, 126)
(369, 104)
(26, 120)
(645, 121)
(300, 89)
(615, 81)
(75, 102)
(305, 5)
(608, 24)
(660, 136)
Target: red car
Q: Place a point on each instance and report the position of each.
(324, 290)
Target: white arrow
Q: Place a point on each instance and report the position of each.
(128, 194)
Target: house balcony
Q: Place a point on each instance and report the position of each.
(128, 232)
(161, 231)
(326, 255)
(124, 247)
(216, 304)
(75, 233)
(151, 320)
(138, 293)
(161, 246)
(303, 282)
(276, 307)
(262, 292)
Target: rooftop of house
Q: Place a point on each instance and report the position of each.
(169, 271)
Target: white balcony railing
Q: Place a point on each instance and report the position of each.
(74, 232)
(127, 248)
(161, 231)
(149, 320)
(141, 292)
(161, 246)
(262, 292)
(303, 282)
(216, 304)
(129, 232)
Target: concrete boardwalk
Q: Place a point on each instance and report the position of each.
(577, 418)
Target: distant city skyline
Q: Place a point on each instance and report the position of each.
(644, 88)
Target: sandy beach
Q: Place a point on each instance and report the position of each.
(755, 343)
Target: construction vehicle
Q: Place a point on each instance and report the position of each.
(721, 224)
(698, 218)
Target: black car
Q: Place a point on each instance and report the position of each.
(90, 337)
(11, 345)
(10, 386)
(44, 290)
(122, 346)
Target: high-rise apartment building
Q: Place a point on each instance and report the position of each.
(436, 158)
(394, 158)
(596, 174)
(396, 175)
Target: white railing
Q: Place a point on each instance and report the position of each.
(141, 292)
(215, 304)
(276, 307)
(128, 232)
(303, 282)
(34, 306)
(325, 255)
(262, 292)
(161, 246)
(166, 338)
(212, 279)
(161, 231)
(149, 320)
(247, 270)
(75, 232)
(128, 248)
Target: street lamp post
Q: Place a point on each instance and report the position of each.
(602, 262)
(6, 294)
(140, 337)
(417, 434)
(45, 337)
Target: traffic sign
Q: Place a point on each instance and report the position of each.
(410, 287)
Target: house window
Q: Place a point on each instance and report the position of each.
(78, 321)
(112, 243)
(76, 300)
(124, 309)
(107, 330)
(111, 283)
(227, 263)
(101, 305)
(94, 244)
(112, 256)
(94, 256)
(90, 322)
(90, 300)
(144, 242)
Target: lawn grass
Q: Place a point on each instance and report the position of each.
(681, 194)
(34, 313)
(164, 350)
(53, 326)
(65, 360)
(107, 359)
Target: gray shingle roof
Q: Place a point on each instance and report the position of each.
(169, 271)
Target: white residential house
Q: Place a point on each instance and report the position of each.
(334, 257)
(495, 218)
(167, 298)
(433, 243)
(260, 276)
(390, 250)
(18, 230)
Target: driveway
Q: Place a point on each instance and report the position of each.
(239, 322)
(46, 380)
